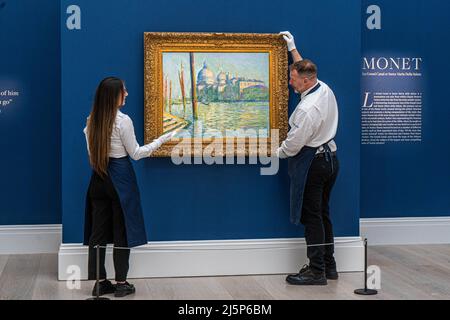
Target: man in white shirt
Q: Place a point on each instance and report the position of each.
(313, 167)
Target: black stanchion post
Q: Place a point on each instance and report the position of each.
(97, 281)
(365, 291)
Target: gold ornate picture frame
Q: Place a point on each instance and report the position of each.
(240, 84)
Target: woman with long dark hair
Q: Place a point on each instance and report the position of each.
(113, 206)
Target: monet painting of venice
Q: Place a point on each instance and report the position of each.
(221, 93)
(216, 92)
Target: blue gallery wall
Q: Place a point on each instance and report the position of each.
(411, 179)
(206, 202)
(30, 184)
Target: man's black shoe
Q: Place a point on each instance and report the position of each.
(331, 273)
(304, 269)
(307, 278)
(123, 289)
(105, 287)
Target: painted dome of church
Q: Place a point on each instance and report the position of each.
(205, 75)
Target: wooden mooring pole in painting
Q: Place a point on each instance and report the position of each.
(170, 97)
(193, 87)
(165, 93)
(183, 94)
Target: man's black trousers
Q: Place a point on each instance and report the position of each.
(316, 212)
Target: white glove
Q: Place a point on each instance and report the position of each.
(166, 137)
(289, 38)
(158, 142)
(281, 154)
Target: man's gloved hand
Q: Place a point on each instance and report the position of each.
(289, 38)
(281, 154)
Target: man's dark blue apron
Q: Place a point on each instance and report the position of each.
(298, 167)
(124, 180)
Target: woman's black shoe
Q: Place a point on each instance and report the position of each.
(105, 287)
(123, 289)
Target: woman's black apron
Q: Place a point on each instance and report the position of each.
(298, 167)
(123, 177)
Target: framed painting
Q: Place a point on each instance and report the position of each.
(215, 87)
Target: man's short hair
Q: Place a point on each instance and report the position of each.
(305, 68)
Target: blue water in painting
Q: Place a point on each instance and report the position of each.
(222, 116)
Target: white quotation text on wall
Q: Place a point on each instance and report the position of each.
(7, 98)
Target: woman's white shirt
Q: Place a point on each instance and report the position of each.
(123, 140)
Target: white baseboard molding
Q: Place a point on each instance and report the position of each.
(398, 231)
(214, 258)
(30, 239)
